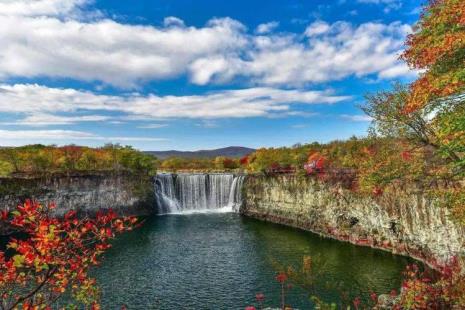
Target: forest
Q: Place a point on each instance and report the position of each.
(40, 159)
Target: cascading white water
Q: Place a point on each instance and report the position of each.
(165, 193)
(235, 194)
(182, 193)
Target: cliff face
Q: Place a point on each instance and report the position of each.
(404, 223)
(85, 193)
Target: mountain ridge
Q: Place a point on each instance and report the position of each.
(230, 151)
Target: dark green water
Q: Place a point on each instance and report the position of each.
(220, 261)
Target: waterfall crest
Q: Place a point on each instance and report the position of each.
(190, 193)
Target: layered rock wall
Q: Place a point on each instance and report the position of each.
(404, 222)
(85, 193)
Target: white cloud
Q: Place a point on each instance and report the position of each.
(205, 70)
(388, 4)
(39, 7)
(396, 71)
(18, 137)
(45, 38)
(267, 27)
(42, 119)
(45, 134)
(357, 118)
(317, 28)
(330, 52)
(172, 21)
(107, 51)
(153, 126)
(31, 99)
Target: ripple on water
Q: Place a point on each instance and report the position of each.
(219, 261)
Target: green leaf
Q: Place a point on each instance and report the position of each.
(18, 261)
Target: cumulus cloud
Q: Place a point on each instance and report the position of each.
(107, 51)
(266, 27)
(172, 21)
(329, 52)
(39, 7)
(44, 38)
(317, 28)
(31, 99)
(218, 68)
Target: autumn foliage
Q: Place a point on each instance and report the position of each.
(423, 290)
(438, 47)
(219, 163)
(53, 255)
(41, 159)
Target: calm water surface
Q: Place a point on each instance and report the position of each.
(220, 261)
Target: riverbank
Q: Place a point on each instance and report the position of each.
(402, 222)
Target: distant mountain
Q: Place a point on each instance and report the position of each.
(231, 151)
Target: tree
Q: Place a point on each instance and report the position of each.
(386, 108)
(88, 161)
(437, 47)
(173, 163)
(431, 111)
(135, 161)
(11, 155)
(72, 155)
(41, 160)
(264, 159)
(229, 163)
(244, 160)
(54, 257)
(450, 125)
(5, 168)
(219, 162)
(222, 162)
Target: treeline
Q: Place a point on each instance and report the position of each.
(373, 161)
(41, 159)
(220, 163)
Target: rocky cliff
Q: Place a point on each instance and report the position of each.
(86, 193)
(404, 222)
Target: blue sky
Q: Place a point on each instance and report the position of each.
(190, 75)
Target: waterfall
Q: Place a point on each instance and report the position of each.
(165, 193)
(235, 194)
(184, 193)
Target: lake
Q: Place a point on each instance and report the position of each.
(221, 260)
